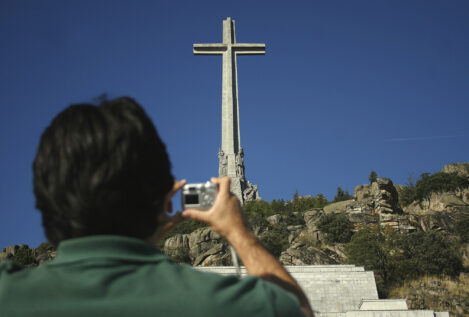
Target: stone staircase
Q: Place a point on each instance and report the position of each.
(341, 290)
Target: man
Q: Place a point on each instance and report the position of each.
(103, 184)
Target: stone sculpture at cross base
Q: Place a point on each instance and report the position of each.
(242, 188)
(231, 154)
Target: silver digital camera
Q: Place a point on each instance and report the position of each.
(199, 196)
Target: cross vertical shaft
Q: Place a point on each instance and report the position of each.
(230, 143)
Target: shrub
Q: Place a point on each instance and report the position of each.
(275, 239)
(45, 247)
(407, 195)
(277, 206)
(428, 184)
(260, 207)
(342, 195)
(302, 204)
(256, 211)
(374, 248)
(294, 219)
(429, 253)
(439, 182)
(23, 256)
(373, 177)
(336, 227)
(396, 257)
(462, 228)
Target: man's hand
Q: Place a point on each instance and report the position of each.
(225, 216)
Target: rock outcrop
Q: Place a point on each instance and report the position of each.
(202, 247)
(374, 203)
(26, 256)
(462, 169)
(303, 254)
(440, 212)
(452, 202)
(380, 196)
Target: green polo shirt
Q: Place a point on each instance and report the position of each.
(121, 276)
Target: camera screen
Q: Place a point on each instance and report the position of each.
(191, 199)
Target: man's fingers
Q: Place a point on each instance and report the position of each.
(223, 184)
(195, 215)
(170, 207)
(178, 185)
(176, 219)
(207, 216)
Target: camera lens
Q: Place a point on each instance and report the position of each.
(191, 199)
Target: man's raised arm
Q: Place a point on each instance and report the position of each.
(227, 218)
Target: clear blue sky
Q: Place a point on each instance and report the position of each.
(345, 87)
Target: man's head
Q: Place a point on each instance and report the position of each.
(101, 170)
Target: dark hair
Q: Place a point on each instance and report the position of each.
(101, 170)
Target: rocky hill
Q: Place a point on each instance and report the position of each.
(372, 204)
(297, 236)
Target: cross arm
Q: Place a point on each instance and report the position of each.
(249, 49)
(209, 49)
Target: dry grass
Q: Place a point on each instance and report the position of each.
(439, 293)
(464, 250)
(452, 286)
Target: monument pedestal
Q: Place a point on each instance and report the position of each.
(232, 165)
(244, 190)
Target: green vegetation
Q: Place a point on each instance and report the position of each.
(186, 227)
(396, 257)
(373, 177)
(336, 227)
(406, 196)
(302, 204)
(462, 229)
(291, 212)
(342, 195)
(256, 211)
(45, 247)
(23, 256)
(275, 239)
(428, 184)
(370, 248)
(429, 253)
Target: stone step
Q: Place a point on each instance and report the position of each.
(291, 269)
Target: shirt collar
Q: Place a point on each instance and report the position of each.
(107, 247)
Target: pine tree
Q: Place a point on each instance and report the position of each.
(373, 176)
(342, 195)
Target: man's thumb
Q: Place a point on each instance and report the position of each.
(195, 215)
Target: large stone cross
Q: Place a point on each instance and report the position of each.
(231, 153)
